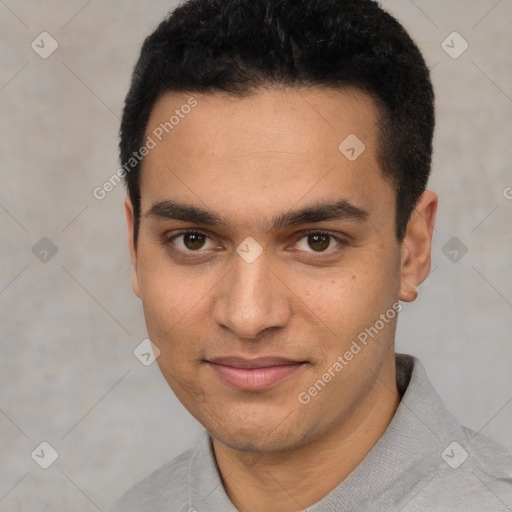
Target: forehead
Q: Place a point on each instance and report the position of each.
(275, 147)
(270, 118)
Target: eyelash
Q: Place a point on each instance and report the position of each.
(190, 254)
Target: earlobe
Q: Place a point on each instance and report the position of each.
(417, 245)
(408, 290)
(130, 222)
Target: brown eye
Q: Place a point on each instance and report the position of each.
(318, 241)
(193, 241)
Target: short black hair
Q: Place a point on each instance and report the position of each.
(240, 46)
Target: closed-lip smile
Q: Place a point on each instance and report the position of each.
(256, 374)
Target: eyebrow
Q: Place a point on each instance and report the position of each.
(319, 212)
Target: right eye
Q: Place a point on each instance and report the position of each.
(189, 241)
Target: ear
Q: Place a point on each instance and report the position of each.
(130, 221)
(417, 245)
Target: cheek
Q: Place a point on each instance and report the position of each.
(345, 307)
(166, 294)
(350, 294)
(177, 309)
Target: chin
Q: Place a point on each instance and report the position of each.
(254, 444)
(255, 437)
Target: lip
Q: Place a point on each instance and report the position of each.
(254, 374)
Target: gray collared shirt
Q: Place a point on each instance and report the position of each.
(424, 461)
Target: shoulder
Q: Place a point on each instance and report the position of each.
(454, 468)
(474, 475)
(164, 486)
(489, 457)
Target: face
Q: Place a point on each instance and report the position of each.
(264, 251)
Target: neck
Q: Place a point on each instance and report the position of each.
(283, 482)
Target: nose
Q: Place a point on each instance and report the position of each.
(252, 299)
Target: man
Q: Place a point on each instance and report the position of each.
(276, 155)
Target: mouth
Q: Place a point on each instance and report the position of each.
(254, 374)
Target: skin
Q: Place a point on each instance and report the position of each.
(251, 160)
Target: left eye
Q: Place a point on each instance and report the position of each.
(319, 242)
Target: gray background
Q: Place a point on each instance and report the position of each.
(69, 325)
